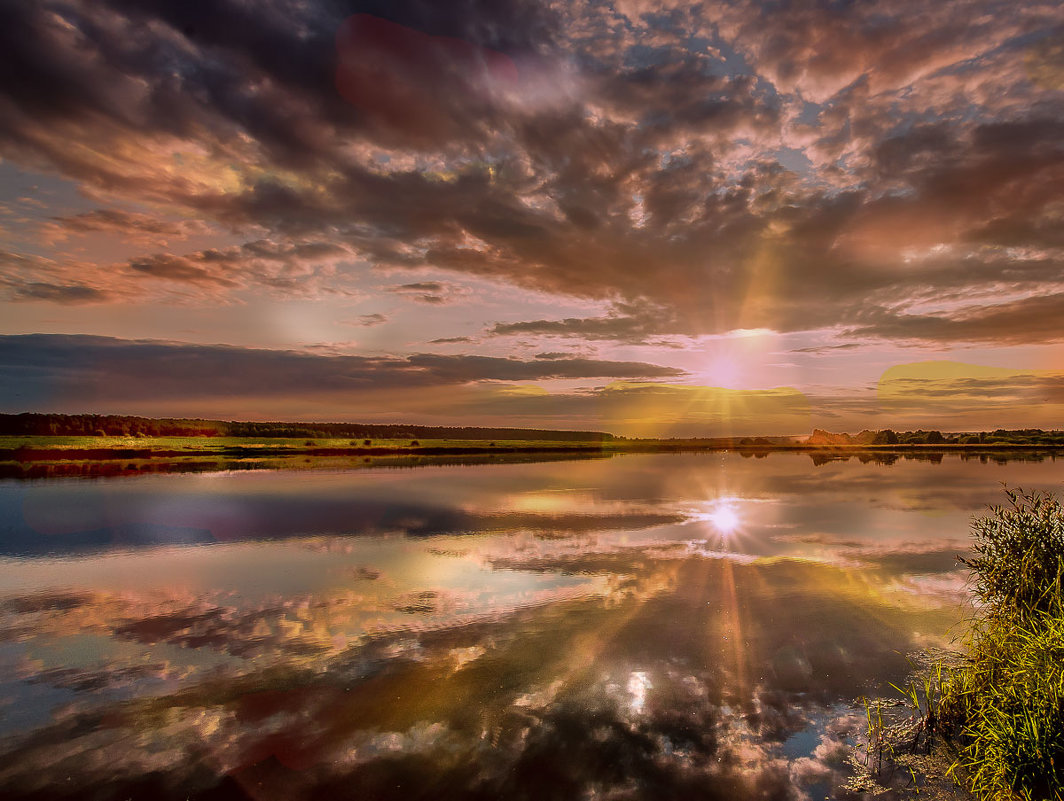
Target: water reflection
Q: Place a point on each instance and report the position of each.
(653, 626)
(722, 515)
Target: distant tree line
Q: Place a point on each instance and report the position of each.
(87, 425)
(1001, 436)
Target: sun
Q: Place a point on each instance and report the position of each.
(724, 371)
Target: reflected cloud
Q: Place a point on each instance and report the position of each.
(390, 707)
(638, 684)
(584, 643)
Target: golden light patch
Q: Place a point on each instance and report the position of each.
(954, 396)
(520, 390)
(904, 382)
(647, 410)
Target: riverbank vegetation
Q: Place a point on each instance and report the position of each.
(1024, 437)
(111, 425)
(991, 718)
(125, 426)
(36, 438)
(1004, 707)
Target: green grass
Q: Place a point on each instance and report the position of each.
(1003, 709)
(194, 445)
(1007, 709)
(991, 718)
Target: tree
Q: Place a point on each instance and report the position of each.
(885, 437)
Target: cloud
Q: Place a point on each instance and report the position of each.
(628, 325)
(470, 368)
(636, 707)
(645, 409)
(793, 167)
(1028, 320)
(75, 371)
(35, 278)
(67, 295)
(634, 408)
(287, 266)
(930, 382)
(134, 226)
(817, 349)
(450, 340)
(370, 320)
(416, 84)
(430, 292)
(98, 374)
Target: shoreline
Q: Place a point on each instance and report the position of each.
(33, 449)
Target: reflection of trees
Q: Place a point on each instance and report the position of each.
(826, 456)
(110, 466)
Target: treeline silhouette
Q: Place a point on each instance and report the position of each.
(111, 425)
(1000, 436)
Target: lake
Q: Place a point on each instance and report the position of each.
(643, 626)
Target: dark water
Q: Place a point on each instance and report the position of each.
(652, 626)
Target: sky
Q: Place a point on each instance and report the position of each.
(647, 217)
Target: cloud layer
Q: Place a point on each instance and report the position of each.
(866, 173)
(635, 154)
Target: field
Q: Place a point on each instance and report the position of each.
(47, 448)
(11, 446)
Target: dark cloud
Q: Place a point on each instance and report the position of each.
(430, 292)
(369, 320)
(613, 328)
(563, 149)
(287, 266)
(827, 348)
(34, 278)
(682, 90)
(471, 368)
(450, 340)
(1033, 319)
(552, 355)
(88, 370)
(821, 47)
(267, 71)
(71, 294)
(419, 286)
(126, 224)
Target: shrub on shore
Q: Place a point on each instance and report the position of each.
(1003, 708)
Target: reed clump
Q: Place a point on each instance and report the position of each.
(1002, 708)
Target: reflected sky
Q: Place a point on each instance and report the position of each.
(646, 626)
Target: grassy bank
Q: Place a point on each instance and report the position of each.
(31, 448)
(37, 448)
(989, 720)
(1004, 707)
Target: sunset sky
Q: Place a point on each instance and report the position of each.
(640, 216)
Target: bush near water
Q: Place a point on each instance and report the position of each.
(1003, 708)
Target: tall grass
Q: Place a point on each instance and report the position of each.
(1003, 708)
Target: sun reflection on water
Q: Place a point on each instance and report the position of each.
(725, 518)
(723, 515)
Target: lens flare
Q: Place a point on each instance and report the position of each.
(722, 515)
(724, 518)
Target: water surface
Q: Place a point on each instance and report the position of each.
(647, 626)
